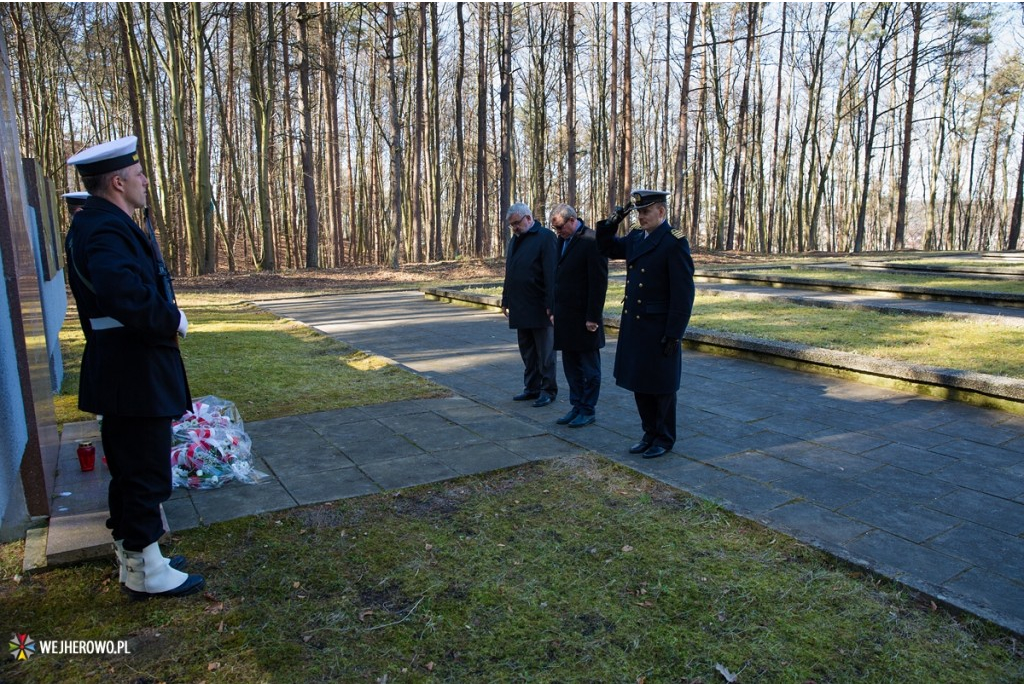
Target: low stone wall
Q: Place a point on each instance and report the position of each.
(905, 291)
(979, 389)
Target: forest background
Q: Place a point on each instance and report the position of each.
(319, 135)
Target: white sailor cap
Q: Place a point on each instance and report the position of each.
(76, 198)
(109, 156)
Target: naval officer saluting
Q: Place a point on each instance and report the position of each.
(655, 312)
(132, 372)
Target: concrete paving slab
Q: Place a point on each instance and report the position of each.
(913, 522)
(406, 472)
(806, 518)
(744, 495)
(326, 486)
(906, 561)
(759, 466)
(986, 510)
(909, 458)
(829, 491)
(236, 500)
(480, 459)
(993, 550)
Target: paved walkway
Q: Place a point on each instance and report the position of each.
(925, 491)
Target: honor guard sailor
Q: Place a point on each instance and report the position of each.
(75, 201)
(655, 312)
(132, 372)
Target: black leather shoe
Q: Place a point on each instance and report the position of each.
(654, 451)
(640, 447)
(543, 401)
(573, 413)
(525, 395)
(582, 420)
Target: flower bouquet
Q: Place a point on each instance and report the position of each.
(209, 447)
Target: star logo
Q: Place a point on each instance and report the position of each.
(22, 647)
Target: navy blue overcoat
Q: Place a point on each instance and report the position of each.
(581, 283)
(529, 292)
(131, 365)
(657, 306)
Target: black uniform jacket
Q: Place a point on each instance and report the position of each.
(131, 365)
(529, 292)
(657, 306)
(581, 282)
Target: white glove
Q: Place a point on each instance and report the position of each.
(182, 325)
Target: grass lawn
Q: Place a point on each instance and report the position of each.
(574, 570)
(268, 366)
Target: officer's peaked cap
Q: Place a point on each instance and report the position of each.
(105, 157)
(646, 198)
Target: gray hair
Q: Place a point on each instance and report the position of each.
(519, 208)
(563, 212)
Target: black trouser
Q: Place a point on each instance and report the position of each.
(537, 348)
(138, 451)
(583, 373)
(658, 418)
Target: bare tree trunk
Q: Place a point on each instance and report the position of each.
(437, 250)
(916, 10)
(507, 115)
(682, 141)
(458, 180)
(308, 180)
(569, 47)
(480, 228)
(613, 121)
(175, 69)
(626, 167)
(1018, 202)
(875, 91)
(417, 140)
(396, 137)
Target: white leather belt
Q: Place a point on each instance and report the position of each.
(105, 322)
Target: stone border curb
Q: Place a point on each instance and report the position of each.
(979, 389)
(908, 291)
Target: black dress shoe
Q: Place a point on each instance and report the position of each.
(654, 451)
(640, 447)
(582, 420)
(573, 413)
(526, 395)
(543, 401)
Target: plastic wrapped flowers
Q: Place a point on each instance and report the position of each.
(209, 447)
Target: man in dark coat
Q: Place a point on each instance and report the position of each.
(581, 282)
(655, 312)
(132, 372)
(528, 299)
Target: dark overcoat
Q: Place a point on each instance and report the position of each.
(657, 306)
(581, 282)
(135, 368)
(529, 292)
